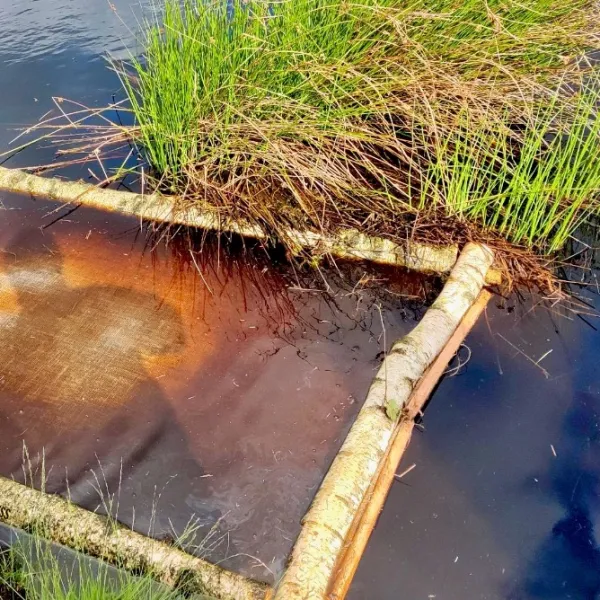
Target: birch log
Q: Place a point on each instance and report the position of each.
(330, 517)
(348, 244)
(66, 523)
(366, 519)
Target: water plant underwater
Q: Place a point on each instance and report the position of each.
(431, 119)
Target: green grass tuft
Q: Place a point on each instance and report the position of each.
(36, 573)
(535, 187)
(322, 114)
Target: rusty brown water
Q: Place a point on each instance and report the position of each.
(216, 388)
(163, 393)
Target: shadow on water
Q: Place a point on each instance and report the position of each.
(567, 563)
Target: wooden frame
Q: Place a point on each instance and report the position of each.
(339, 522)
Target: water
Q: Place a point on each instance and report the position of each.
(140, 386)
(503, 501)
(162, 393)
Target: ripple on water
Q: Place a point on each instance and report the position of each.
(49, 27)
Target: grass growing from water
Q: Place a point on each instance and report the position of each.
(326, 113)
(536, 188)
(305, 70)
(31, 571)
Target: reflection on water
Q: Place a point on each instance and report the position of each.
(567, 562)
(58, 48)
(493, 509)
(49, 28)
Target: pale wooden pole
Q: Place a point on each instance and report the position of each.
(372, 505)
(349, 243)
(65, 523)
(329, 521)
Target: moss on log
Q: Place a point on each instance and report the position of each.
(65, 523)
(348, 244)
(328, 522)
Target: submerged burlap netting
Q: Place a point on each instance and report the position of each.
(76, 350)
(224, 404)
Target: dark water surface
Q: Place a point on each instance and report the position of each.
(130, 378)
(503, 503)
(233, 406)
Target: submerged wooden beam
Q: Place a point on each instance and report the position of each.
(347, 244)
(60, 521)
(330, 519)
